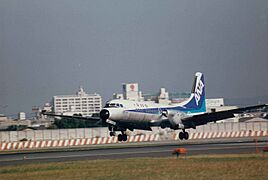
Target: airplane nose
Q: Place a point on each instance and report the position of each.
(104, 114)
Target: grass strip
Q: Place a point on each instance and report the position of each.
(249, 166)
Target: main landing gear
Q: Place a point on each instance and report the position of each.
(183, 135)
(121, 137)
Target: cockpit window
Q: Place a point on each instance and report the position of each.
(113, 105)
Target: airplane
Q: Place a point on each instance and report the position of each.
(123, 115)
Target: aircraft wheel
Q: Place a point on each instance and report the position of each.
(124, 137)
(120, 137)
(112, 134)
(181, 135)
(186, 135)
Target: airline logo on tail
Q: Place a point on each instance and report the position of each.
(197, 100)
(198, 91)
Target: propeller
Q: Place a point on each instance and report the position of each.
(104, 115)
(164, 113)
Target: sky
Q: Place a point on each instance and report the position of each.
(52, 47)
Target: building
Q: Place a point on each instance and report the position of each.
(131, 92)
(216, 102)
(163, 97)
(21, 116)
(118, 96)
(81, 103)
(3, 117)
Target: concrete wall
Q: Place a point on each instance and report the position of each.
(62, 134)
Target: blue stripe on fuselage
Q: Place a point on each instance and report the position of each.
(186, 110)
(148, 110)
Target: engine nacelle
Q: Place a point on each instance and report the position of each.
(175, 120)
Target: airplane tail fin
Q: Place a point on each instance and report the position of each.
(197, 101)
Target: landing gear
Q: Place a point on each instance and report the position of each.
(112, 133)
(112, 130)
(183, 135)
(122, 137)
(186, 135)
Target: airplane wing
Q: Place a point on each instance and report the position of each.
(93, 119)
(196, 120)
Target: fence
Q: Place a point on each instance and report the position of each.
(87, 133)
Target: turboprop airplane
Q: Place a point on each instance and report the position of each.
(123, 115)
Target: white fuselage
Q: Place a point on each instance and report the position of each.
(138, 115)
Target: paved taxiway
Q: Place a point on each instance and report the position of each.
(161, 150)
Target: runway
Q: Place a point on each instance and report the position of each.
(162, 150)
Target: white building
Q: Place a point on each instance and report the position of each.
(163, 97)
(82, 103)
(216, 102)
(3, 117)
(21, 116)
(118, 96)
(131, 92)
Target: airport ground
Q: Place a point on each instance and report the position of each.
(234, 166)
(132, 150)
(205, 160)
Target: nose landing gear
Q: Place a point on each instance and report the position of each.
(111, 129)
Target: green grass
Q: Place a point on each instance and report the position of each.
(194, 167)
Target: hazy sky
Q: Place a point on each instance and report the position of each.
(51, 47)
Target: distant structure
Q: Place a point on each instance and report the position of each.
(14, 124)
(81, 103)
(169, 97)
(163, 97)
(21, 116)
(118, 96)
(131, 91)
(216, 102)
(3, 117)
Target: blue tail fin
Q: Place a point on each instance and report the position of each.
(197, 100)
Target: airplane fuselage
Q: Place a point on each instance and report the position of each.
(138, 115)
